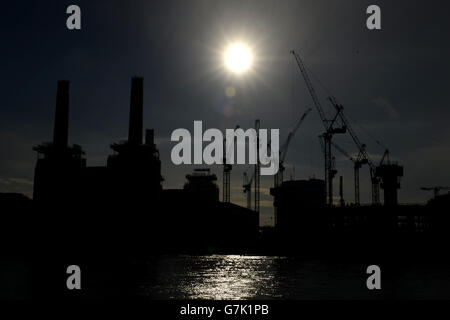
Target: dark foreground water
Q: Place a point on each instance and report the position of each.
(277, 277)
(229, 277)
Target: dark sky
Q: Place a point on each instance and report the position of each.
(393, 83)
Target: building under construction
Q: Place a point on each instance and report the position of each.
(309, 214)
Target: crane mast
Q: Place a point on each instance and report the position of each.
(363, 155)
(357, 163)
(327, 136)
(226, 173)
(226, 181)
(247, 185)
(257, 167)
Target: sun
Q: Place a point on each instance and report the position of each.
(238, 58)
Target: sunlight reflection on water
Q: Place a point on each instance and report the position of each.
(214, 277)
(234, 277)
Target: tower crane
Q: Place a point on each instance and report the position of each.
(357, 163)
(385, 157)
(363, 155)
(330, 130)
(247, 185)
(435, 190)
(257, 166)
(278, 178)
(226, 172)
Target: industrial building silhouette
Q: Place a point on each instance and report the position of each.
(133, 171)
(130, 184)
(126, 197)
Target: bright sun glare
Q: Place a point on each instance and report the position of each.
(238, 58)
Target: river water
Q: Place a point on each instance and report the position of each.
(278, 277)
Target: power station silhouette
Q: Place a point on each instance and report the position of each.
(133, 171)
(132, 179)
(126, 196)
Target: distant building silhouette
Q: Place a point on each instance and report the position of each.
(294, 199)
(135, 167)
(58, 164)
(132, 172)
(129, 189)
(201, 185)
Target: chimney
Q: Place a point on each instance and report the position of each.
(136, 111)
(150, 137)
(61, 124)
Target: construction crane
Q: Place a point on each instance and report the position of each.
(358, 161)
(385, 157)
(278, 178)
(363, 155)
(247, 185)
(332, 166)
(226, 172)
(327, 136)
(257, 166)
(435, 190)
